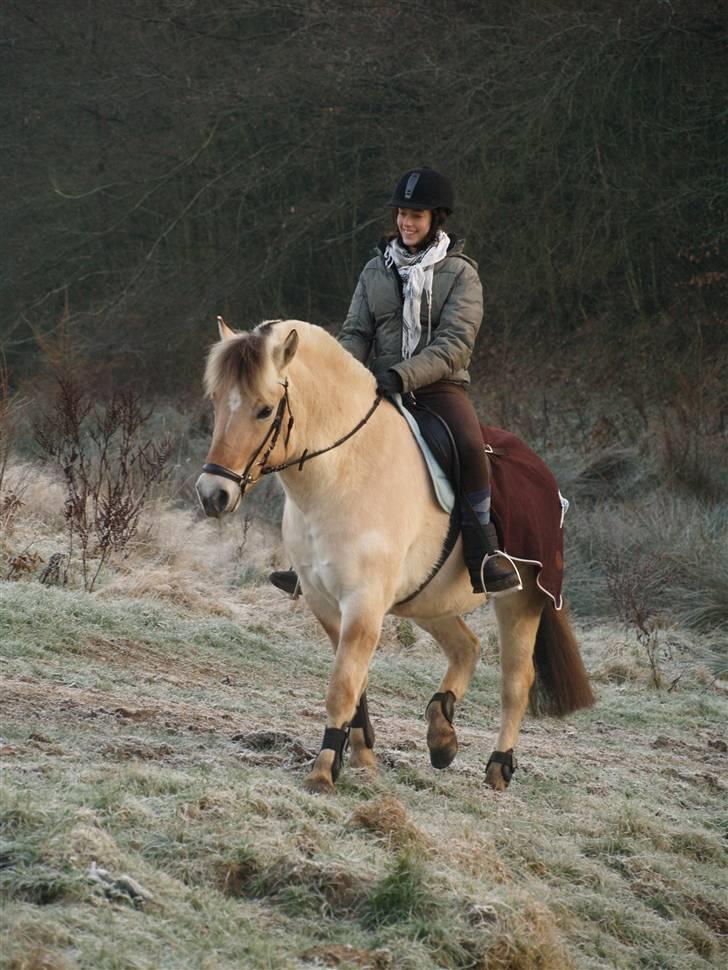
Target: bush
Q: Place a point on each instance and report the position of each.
(107, 467)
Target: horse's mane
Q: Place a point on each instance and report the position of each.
(239, 360)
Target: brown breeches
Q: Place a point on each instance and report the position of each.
(452, 403)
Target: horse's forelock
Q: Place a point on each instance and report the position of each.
(235, 362)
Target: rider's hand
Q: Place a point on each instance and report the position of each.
(390, 383)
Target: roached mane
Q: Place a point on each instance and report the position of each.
(237, 361)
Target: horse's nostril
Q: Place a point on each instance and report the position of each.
(220, 499)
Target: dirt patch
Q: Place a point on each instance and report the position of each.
(155, 663)
(24, 697)
(273, 748)
(134, 749)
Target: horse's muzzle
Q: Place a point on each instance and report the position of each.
(217, 496)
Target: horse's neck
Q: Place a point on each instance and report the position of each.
(330, 393)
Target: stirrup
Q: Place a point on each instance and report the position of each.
(504, 583)
(286, 580)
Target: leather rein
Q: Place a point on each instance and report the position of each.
(245, 478)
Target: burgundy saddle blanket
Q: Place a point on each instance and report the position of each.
(527, 508)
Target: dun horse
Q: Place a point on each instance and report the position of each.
(363, 530)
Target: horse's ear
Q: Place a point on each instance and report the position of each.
(283, 353)
(222, 328)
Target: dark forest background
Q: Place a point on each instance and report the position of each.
(166, 161)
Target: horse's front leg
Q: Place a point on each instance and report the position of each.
(347, 716)
(462, 649)
(361, 730)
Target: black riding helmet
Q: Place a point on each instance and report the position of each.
(423, 188)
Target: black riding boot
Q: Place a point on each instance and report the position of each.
(498, 572)
(287, 580)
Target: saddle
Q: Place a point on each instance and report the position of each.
(439, 439)
(438, 447)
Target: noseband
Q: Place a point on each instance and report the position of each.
(271, 439)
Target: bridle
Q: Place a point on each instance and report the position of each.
(245, 478)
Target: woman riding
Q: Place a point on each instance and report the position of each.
(413, 320)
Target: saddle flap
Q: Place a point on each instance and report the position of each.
(438, 449)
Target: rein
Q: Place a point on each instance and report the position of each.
(245, 478)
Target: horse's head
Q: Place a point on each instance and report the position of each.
(246, 381)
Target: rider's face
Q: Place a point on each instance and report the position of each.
(413, 225)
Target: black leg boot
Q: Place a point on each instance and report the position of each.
(498, 572)
(286, 580)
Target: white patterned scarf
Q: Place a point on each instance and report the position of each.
(416, 273)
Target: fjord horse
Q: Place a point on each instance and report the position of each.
(363, 529)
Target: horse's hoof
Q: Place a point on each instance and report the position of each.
(444, 757)
(494, 778)
(499, 770)
(319, 784)
(441, 737)
(320, 778)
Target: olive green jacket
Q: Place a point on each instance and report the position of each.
(372, 331)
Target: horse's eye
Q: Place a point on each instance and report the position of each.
(264, 413)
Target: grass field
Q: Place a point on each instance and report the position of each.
(153, 813)
(153, 739)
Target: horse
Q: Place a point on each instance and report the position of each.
(363, 529)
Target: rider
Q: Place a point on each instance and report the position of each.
(413, 321)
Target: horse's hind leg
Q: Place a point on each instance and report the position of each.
(462, 649)
(518, 618)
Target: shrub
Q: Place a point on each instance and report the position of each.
(107, 466)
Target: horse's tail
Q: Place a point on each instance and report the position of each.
(562, 683)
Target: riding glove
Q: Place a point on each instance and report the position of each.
(390, 383)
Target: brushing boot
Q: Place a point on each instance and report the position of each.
(480, 542)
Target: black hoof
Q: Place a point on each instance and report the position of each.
(444, 757)
(500, 768)
(441, 738)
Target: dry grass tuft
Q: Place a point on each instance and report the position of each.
(477, 855)
(239, 878)
(88, 843)
(345, 955)
(39, 958)
(171, 584)
(524, 938)
(388, 817)
(298, 884)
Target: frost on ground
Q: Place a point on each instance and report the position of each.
(154, 738)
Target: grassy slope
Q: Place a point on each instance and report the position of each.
(117, 739)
